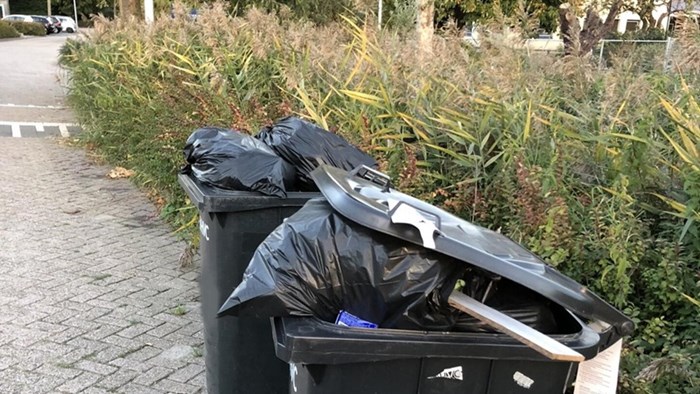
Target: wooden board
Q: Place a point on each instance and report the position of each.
(506, 324)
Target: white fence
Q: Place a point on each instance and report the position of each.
(647, 54)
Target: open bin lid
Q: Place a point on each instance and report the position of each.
(365, 196)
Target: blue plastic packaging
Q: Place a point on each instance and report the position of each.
(349, 320)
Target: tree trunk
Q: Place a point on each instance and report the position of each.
(645, 10)
(578, 41)
(570, 30)
(424, 25)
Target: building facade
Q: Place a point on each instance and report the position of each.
(4, 8)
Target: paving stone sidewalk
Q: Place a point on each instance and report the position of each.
(91, 296)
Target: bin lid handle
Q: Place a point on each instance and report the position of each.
(427, 223)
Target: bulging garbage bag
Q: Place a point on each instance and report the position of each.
(231, 160)
(508, 297)
(304, 144)
(318, 263)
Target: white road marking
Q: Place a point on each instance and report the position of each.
(39, 126)
(64, 130)
(32, 106)
(43, 125)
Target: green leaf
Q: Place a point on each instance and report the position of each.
(691, 299)
(365, 98)
(528, 121)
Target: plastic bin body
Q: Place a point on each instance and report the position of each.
(239, 352)
(324, 358)
(419, 376)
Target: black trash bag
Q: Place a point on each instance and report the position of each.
(235, 161)
(318, 263)
(508, 297)
(303, 144)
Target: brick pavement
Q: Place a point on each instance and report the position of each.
(91, 296)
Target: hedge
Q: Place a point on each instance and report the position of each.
(7, 31)
(29, 28)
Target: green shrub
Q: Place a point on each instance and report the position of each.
(648, 34)
(69, 51)
(636, 56)
(580, 165)
(29, 28)
(7, 31)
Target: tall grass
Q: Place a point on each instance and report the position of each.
(596, 171)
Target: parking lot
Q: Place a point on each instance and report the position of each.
(32, 91)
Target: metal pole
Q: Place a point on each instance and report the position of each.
(379, 16)
(148, 11)
(668, 17)
(48, 7)
(600, 57)
(75, 14)
(667, 54)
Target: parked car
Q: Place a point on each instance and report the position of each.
(55, 23)
(18, 18)
(31, 19)
(47, 23)
(68, 23)
(58, 26)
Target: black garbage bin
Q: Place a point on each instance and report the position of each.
(239, 353)
(326, 358)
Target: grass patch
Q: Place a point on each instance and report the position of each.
(179, 310)
(90, 356)
(131, 351)
(101, 277)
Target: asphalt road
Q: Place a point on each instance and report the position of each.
(31, 80)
